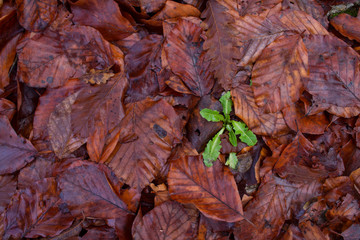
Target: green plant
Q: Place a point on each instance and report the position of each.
(212, 150)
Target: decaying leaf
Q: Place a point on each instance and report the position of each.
(172, 222)
(183, 48)
(15, 151)
(146, 123)
(211, 189)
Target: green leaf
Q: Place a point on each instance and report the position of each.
(232, 160)
(246, 135)
(232, 136)
(212, 150)
(211, 115)
(226, 103)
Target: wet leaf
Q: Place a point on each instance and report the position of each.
(7, 190)
(35, 211)
(211, 189)
(87, 186)
(143, 65)
(347, 26)
(334, 70)
(172, 222)
(36, 15)
(146, 123)
(260, 123)
(183, 47)
(15, 151)
(226, 103)
(273, 203)
(105, 16)
(246, 135)
(288, 60)
(7, 108)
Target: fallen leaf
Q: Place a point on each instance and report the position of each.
(172, 223)
(143, 65)
(347, 25)
(7, 108)
(104, 15)
(211, 189)
(36, 15)
(15, 151)
(277, 75)
(146, 123)
(87, 186)
(183, 45)
(268, 124)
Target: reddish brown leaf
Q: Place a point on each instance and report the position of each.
(36, 15)
(355, 178)
(36, 211)
(47, 103)
(297, 119)
(311, 231)
(311, 7)
(348, 210)
(347, 25)
(277, 74)
(146, 123)
(352, 232)
(143, 65)
(219, 44)
(86, 49)
(334, 76)
(150, 6)
(7, 189)
(275, 201)
(211, 189)
(7, 57)
(42, 61)
(268, 124)
(100, 109)
(103, 15)
(184, 55)
(167, 221)
(255, 8)
(86, 186)
(7, 108)
(15, 151)
(173, 9)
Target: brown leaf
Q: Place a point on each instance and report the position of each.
(103, 15)
(268, 124)
(212, 190)
(311, 7)
(275, 201)
(347, 25)
(184, 55)
(161, 192)
(167, 221)
(255, 8)
(36, 15)
(334, 76)
(352, 232)
(298, 120)
(7, 57)
(348, 210)
(42, 61)
(96, 111)
(15, 151)
(277, 74)
(174, 10)
(86, 186)
(36, 211)
(355, 178)
(151, 6)
(311, 231)
(7, 108)
(148, 132)
(86, 49)
(7, 190)
(47, 103)
(219, 44)
(142, 66)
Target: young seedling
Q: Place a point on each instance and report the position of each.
(233, 128)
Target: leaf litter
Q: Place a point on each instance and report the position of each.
(192, 119)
